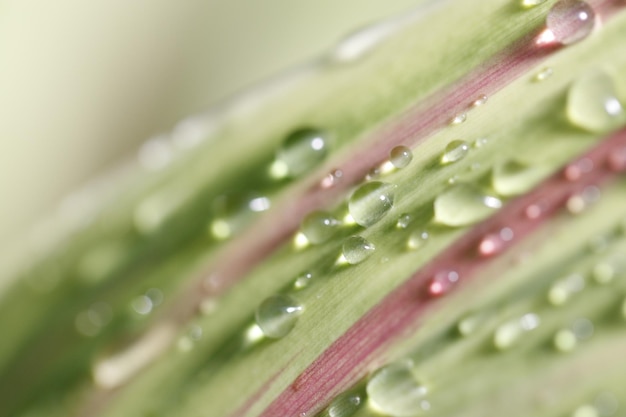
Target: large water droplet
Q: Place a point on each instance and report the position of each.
(454, 151)
(564, 289)
(509, 333)
(514, 177)
(356, 249)
(371, 201)
(458, 119)
(277, 315)
(302, 151)
(464, 204)
(233, 212)
(394, 390)
(302, 280)
(400, 156)
(585, 410)
(319, 226)
(570, 21)
(592, 103)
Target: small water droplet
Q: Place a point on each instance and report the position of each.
(371, 201)
(356, 249)
(302, 281)
(617, 160)
(331, 179)
(404, 221)
(585, 411)
(543, 74)
(156, 153)
(570, 21)
(509, 333)
(454, 151)
(417, 239)
(319, 226)
(394, 390)
(464, 204)
(603, 272)
(576, 170)
(527, 4)
(480, 142)
(442, 283)
(514, 177)
(142, 305)
(592, 103)
(344, 405)
(469, 324)
(232, 212)
(580, 202)
(480, 100)
(302, 151)
(494, 243)
(564, 289)
(400, 156)
(458, 119)
(277, 315)
(565, 340)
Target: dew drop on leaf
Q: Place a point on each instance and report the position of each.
(593, 104)
(565, 288)
(371, 201)
(442, 283)
(464, 204)
(417, 239)
(356, 249)
(543, 74)
(394, 390)
(458, 119)
(302, 280)
(277, 315)
(344, 405)
(480, 100)
(319, 226)
(570, 21)
(565, 340)
(400, 156)
(585, 411)
(302, 151)
(513, 177)
(454, 151)
(509, 333)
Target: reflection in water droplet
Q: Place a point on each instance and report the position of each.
(458, 119)
(480, 100)
(564, 289)
(592, 103)
(356, 249)
(417, 239)
(344, 405)
(454, 151)
(371, 201)
(302, 151)
(543, 74)
(509, 333)
(319, 226)
(570, 21)
(514, 177)
(403, 221)
(400, 156)
(142, 305)
(277, 315)
(464, 204)
(442, 283)
(233, 212)
(394, 390)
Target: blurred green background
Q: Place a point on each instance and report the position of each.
(82, 83)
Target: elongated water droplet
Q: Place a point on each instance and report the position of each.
(458, 119)
(395, 391)
(404, 221)
(442, 283)
(344, 405)
(514, 177)
(302, 151)
(464, 204)
(469, 324)
(400, 156)
(592, 103)
(454, 151)
(277, 315)
(564, 289)
(480, 100)
(570, 21)
(371, 201)
(232, 212)
(480, 142)
(509, 333)
(302, 281)
(527, 4)
(417, 239)
(543, 74)
(319, 226)
(494, 243)
(356, 249)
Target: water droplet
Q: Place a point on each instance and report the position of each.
(585, 411)
(277, 315)
(454, 151)
(371, 201)
(458, 119)
(599, 243)
(344, 405)
(356, 249)
(480, 142)
(565, 340)
(543, 74)
(331, 179)
(142, 305)
(302, 151)
(576, 170)
(480, 100)
(592, 103)
(233, 212)
(570, 21)
(394, 390)
(509, 333)
(470, 324)
(442, 283)
(617, 160)
(564, 289)
(400, 156)
(578, 203)
(527, 4)
(319, 226)
(404, 221)
(514, 177)
(494, 243)
(302, 281)
(417, 239)
(464, 204)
